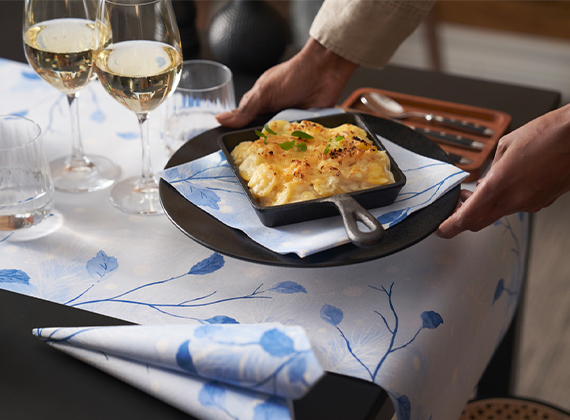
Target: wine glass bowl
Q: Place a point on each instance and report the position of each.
(139, 65)
(59, 43)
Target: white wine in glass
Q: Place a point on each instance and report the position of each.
(59, 43)
(139, 65)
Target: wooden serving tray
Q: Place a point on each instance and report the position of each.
(480, 159)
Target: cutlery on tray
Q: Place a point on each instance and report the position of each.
(391, 108)
(450, 138)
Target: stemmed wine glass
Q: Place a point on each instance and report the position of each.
(139, 66)
(59, 43)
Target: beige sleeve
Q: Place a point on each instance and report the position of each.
(367, 32)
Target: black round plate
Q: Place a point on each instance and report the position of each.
(215, 235)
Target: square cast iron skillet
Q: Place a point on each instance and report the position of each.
(211, 233)
(352, 206)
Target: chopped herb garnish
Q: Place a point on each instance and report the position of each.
(302, 135)
(269, 130)
(301, 146)
(337, 139)
(260, 134)
(288, 145)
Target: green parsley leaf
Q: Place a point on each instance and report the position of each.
(269, 130)
(288, 145)
(327, 148)
(302, 135)
(302, 147)
(338, 138)
(260, 134)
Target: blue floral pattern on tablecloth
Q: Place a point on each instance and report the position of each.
(422, 323)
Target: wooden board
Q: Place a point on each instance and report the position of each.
(496, 120)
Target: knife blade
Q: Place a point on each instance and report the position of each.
(450, 138)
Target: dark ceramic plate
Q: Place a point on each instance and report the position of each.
(213, 234)
(352, 206)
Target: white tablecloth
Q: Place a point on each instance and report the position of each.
(422, 323)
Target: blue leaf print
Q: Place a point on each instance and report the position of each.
(297, 371)
(221, 319)
(30, 75)
(98, 116)
(206, 330)
(128, 135)
(20, 113)
(431, 320)
(499, 290)
(212, 173)
(276, 343)
(102, 266)
(288, 287)
(404, 408)
(14, 276)
(212, 395)
(331, 314)
(213, 263)
(393, 217)
(184, 358)
(202, 197)
(272, 409)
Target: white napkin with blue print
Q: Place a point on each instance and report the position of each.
(210, 371)
(210, 184)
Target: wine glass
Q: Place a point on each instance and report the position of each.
(59, 43)
(139, 65)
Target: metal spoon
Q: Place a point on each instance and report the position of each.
(389, 107)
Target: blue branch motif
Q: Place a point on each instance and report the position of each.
(430, 320)
(516, 275)
(102, 267)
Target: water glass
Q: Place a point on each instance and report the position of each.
(26, 186)
(206, 88)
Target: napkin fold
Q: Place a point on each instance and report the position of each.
(209, 371)
(210, 184)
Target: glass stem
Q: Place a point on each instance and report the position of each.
(147, 179)
(78, 158)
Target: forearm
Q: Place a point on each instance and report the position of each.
(367, 32)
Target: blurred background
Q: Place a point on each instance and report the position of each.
(516, 42)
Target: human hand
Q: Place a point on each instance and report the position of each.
(530, 171)
(315, 77)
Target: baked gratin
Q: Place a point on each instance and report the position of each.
(299, 161)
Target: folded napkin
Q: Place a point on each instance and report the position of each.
(210, 371)
(210, 184)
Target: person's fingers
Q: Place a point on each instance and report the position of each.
(475, 206)
(234, 118)
(250, 105)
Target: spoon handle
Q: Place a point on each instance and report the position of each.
(461, 125)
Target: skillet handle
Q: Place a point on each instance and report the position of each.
(352, 212)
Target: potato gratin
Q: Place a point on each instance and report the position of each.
(293, 162)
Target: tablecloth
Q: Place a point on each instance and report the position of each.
(422, 323)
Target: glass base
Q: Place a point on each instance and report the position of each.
(93, 174)
(137, 196)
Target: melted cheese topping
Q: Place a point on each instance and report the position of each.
(336, 160)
